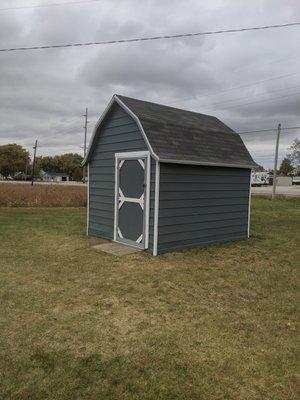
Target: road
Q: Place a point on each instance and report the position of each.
(283, 190)
(264, 190)
(70, 183)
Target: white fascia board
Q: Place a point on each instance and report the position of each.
(132, 154)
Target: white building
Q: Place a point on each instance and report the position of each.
(55, 177)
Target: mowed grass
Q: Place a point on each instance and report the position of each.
(212, 323)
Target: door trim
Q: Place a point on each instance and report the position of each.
(127, 156)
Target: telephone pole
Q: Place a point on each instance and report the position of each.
(33, 163)
(275, 161)
(84, 145)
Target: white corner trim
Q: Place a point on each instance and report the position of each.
(147, 205)
(138, 122)
(156, 207)
(249, 205)
(116, 198)
(88, 201)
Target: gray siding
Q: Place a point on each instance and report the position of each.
(119, 133)
(201, 205)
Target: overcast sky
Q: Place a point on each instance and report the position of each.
(249, 80)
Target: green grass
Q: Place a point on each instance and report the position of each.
(212, 323)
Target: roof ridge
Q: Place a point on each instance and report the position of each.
(164, 105)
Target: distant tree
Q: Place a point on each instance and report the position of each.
(66, 163)
(286, 167)
(294, 156)
(71, 164)
(50, 164)
(259, 168)
(13, 158)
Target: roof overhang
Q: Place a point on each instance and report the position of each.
(115, 99)
(208, 164)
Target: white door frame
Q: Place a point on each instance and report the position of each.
(134, 155)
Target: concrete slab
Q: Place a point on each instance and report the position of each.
(117, 249)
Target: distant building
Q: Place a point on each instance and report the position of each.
(54, 177)
(260, 178)
(20, 176)
(296, 180)
(284, 181)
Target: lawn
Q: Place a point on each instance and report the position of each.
(212, 323)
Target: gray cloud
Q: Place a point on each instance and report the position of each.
(44, 93)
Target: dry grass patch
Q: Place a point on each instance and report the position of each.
(41, 195)
(213, 323)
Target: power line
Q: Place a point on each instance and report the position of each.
(150, 38)
(262, 63)
(50, 5)
(259, 101)
(250, 84)
(269, 130)
(236, 87)
(254, 96)
(290, 127)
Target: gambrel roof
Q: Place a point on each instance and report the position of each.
(179, 136)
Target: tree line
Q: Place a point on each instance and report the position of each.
(15, 162)
(290, 164)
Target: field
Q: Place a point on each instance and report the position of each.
(212, 323)
(25, 195)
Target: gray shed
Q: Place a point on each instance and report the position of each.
(165, 179)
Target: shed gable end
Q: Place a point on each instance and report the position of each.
(117, 133)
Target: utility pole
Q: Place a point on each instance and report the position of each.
(84, 145)
(275, 161)
(26, 170)
(33, 163)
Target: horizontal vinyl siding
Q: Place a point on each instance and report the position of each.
(118, 134)
(201, 205)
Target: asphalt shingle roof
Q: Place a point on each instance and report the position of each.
(189, 137)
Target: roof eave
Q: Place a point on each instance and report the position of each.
(208, 164)
(116, 99)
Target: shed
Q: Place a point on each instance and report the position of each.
(164, 179)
